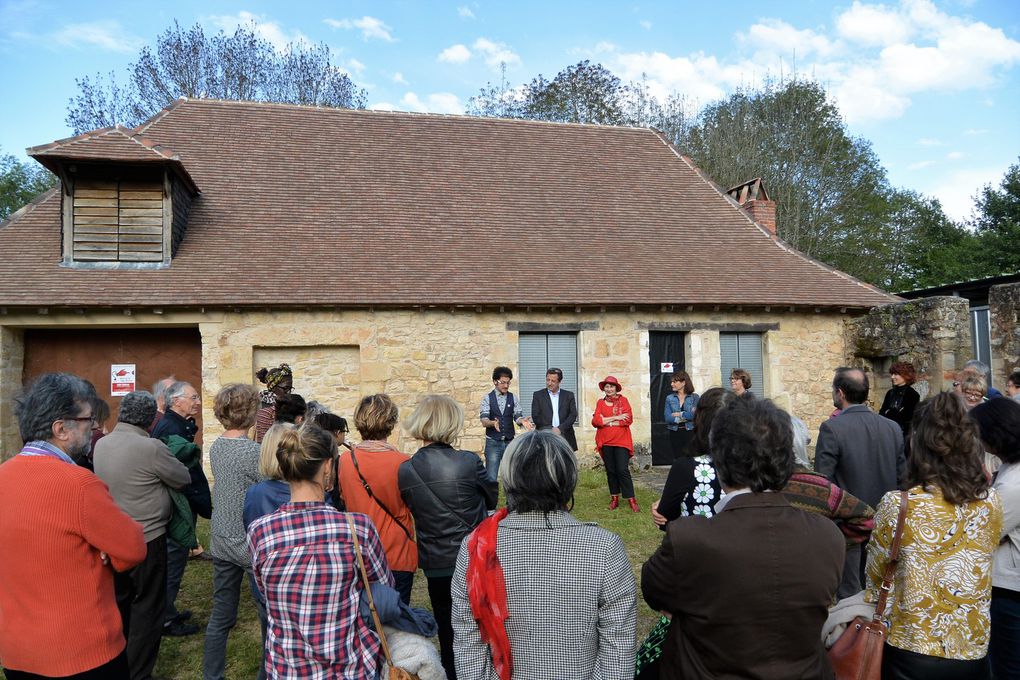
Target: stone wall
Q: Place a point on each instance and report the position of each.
(1004, 312)
(340, 355)
(12, 355)
(933, 334)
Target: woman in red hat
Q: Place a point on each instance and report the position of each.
(612, 421)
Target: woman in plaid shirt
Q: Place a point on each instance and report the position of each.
(306, 568)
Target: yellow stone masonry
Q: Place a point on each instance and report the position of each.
(339, 356)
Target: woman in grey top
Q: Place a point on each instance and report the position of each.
(235, 465)
(536, 593)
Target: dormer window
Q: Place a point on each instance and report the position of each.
(125, 201)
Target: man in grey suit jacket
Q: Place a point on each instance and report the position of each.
(560, 419)
(862, 453)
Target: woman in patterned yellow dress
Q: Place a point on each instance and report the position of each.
(938, 616)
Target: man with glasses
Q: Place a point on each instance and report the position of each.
(182, 405)
(500, 411)
(62, 537)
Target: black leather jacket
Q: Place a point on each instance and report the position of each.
(448, 494)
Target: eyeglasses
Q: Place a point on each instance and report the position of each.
(502, 382)
(82, 419)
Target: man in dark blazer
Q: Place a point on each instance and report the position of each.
(561, 419)
(860, 452)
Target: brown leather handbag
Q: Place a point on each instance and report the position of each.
(395, 673)
(857, 654)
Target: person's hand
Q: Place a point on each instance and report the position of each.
(677, 415)
(556, 430)
(527, 424)
(495, 424)
(659, 520)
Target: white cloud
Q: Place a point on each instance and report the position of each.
(927, 141)
(464, 12)
(440, 102)
(920, 164)
(776, 36)
(957, 189)
(354, 66)
(382, 106)
(270, 31)
(975, 131)
(106, 35)
(496, 53)
(398, 78)
(955, 155)
(370, 27)
(455, 54)
(873, 59)
(873, 25)
(645, 24)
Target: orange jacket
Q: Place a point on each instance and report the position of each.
(379, 463)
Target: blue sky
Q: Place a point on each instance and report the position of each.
(935, 85)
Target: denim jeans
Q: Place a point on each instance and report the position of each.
(176, 561)
(494, 451)
(227, 579)
(1004, 647)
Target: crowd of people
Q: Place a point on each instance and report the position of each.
(765, 558)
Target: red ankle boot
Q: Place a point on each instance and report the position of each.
(615, 502)
(633, 504)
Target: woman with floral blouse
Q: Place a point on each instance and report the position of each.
(692, 487)
(942, 587)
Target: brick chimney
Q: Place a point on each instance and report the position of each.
(754, 199)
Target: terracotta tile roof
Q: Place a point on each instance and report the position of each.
(114, 144)
(316, 206)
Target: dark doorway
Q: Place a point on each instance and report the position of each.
(88, 352)
(665, 355)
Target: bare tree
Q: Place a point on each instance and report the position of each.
(237, 66)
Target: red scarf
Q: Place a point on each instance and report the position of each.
(487, 593)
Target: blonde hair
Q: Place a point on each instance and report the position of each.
(438, 418)
(376, 417)
(269, 466)
(235, 406)
(301, 454)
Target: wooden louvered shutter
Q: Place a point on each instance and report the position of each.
(141, 222)
(95, 220)
(118, 221)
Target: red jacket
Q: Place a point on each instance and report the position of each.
(616, 433)
(58, 611)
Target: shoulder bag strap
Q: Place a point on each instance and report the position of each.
(368, 589)
(894, 557)
(368, 490)
(438, 499)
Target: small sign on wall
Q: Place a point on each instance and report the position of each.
(666, 367)
(122, 379)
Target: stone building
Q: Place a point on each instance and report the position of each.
(406, 253)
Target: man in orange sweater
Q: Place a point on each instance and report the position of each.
(61, 537)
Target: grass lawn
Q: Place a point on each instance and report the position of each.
(182, 657)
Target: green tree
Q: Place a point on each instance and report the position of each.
(237, 66)
(831, 191)
(997, 225)
(20, 183)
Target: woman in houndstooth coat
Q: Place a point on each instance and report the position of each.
(538, 594)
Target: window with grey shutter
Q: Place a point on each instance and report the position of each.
(742, 350)
(537, 353)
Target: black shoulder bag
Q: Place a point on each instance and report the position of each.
(368, 490)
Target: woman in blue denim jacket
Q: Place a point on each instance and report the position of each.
(679, 413)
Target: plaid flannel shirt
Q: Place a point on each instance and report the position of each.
(304, 564)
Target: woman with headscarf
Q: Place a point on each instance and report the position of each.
(612, 420)
(279, 382)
